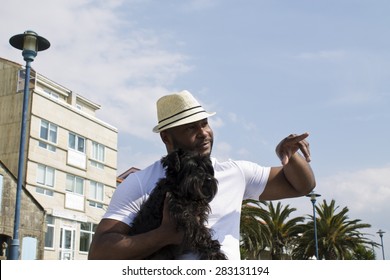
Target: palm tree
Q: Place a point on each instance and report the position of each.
(283, 232)
(362, 252)
(338, 237)
(254, 234)
(269, 229)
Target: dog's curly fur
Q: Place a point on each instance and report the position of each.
(191, 186)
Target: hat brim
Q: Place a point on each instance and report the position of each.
(204, 115)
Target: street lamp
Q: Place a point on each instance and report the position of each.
(30, 43)
(380, 232)
(313, 197)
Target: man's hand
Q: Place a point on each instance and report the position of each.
(168, 224)
(295, 178)
(290, 145)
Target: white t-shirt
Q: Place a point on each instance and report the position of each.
(237, 180)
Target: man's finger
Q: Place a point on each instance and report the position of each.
(299, 138)
(285, 159)
(304, 147)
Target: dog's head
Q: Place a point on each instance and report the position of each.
(192, 174)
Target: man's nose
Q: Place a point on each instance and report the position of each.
(202, 131)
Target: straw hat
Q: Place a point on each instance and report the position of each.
(178, 109)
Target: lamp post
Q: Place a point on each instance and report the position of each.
(30, 43)
(313, 197)
(380, 232)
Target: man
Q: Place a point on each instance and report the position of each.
(183, 123)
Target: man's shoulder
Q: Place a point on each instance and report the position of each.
(150, 173)
(230, 163)
(154, 169)
(242, 166)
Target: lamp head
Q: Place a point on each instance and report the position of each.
(30, 43)
(313, 196)
(381, 232)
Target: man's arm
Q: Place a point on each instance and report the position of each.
(112, 241)
(295, 177)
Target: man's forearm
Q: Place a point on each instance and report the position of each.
(117, 246)
(299, 174)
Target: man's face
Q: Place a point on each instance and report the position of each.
(197, 136)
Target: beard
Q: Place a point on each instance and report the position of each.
(202, 147)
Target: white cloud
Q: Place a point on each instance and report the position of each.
(233, 117)
(362, 191)
(222, 150)
(103, 56)
(216, 122)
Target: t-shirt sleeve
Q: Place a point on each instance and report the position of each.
(256, 178)
(126, 200)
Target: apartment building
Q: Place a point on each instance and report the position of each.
(70, 157)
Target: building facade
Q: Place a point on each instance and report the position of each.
(70, 157)
(32, 219)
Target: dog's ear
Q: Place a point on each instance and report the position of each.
(176, 160)
(172, 161)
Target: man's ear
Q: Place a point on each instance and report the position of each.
(165, 137)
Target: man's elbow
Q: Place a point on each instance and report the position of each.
(310, 186)
(95, 253)
(92, 255)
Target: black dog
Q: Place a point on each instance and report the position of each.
(191, 186)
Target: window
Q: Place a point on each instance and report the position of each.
(97, 157)
(96, 191)
(49, 235)
(76, 142)
(87, 231)
(51, 93)
(45, 177)
(48, 133)
(74, 184)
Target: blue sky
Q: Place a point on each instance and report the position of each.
(268, 68)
